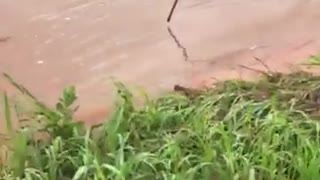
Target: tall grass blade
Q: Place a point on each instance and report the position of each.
(7, 113)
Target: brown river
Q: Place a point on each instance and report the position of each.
(48, 45)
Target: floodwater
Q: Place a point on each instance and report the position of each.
(48, 45)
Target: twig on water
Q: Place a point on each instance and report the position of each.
(268, 73)
(184, 50)
(263, 64)
(24, 91)
(254, 70)
(172, 10)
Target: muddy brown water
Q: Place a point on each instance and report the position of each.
(48, 45)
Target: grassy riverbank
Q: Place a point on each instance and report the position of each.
(267, 129)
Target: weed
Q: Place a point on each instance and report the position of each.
(267, 129)
(313, 61)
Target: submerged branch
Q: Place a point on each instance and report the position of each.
(176, 40)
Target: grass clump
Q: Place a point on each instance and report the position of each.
(267, 129)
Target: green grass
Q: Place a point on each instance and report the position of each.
(313, 61)
(236, 130)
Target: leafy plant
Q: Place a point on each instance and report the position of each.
(237, 130)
